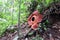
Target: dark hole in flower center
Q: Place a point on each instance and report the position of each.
(33, 18)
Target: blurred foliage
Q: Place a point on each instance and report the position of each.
(8, 14)
(24, 11)
(9, 10)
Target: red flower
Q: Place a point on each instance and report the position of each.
(34, 19)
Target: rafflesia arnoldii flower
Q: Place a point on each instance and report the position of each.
(34, 19)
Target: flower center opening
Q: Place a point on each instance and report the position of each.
(33, 18)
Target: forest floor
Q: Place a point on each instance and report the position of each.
(51, 34)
